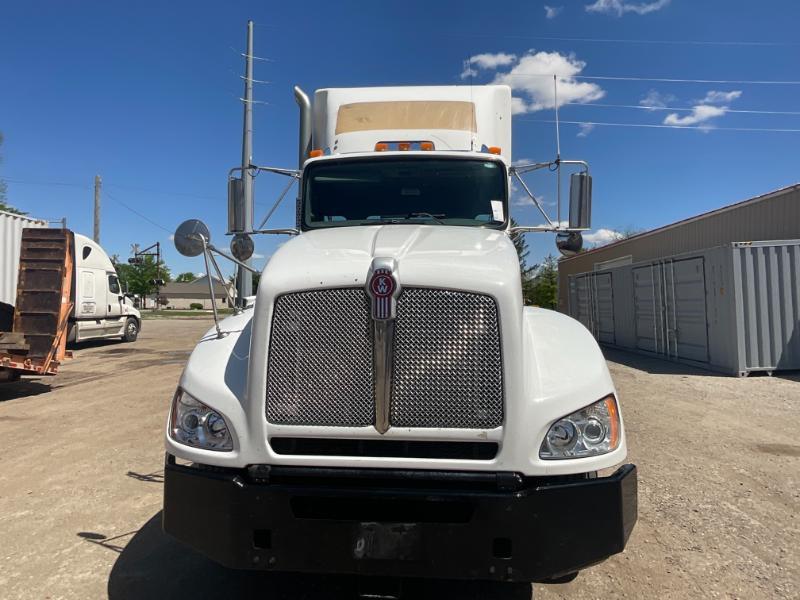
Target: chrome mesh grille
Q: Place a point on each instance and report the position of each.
(320, 360)
(447, 361)
(447, 365)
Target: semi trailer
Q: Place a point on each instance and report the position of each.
(388, 405)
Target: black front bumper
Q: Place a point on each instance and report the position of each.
(400, 523)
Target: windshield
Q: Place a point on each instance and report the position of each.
(436, 191)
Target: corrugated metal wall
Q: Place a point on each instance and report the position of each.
(734, 308)
(767, 285)
(773, 216)
(11, 227)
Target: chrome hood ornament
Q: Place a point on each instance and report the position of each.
(383, 288)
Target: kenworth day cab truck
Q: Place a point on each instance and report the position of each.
(388, 406)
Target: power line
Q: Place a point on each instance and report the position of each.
(631, 41)
(656, 79)
(60, 183)
(137, 213)
(684, 109)
(114, 185)
(653, 126)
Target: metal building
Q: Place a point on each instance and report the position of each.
(720, 290)
(11, 226)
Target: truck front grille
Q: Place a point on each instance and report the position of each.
(446, 370)
(320, 360)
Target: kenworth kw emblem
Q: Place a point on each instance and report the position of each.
(383, 289)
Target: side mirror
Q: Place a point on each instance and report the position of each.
(235, 205)
(580, 201)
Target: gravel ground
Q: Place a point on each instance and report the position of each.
(81, 480)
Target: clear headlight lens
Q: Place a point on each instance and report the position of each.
(195, 424)
(590, 431)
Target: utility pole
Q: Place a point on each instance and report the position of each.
(244, 279)
(98, 183)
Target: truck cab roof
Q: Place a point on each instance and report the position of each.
(450, 118)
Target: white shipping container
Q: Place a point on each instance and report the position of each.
(11, 227)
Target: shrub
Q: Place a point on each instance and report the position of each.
(196, 306)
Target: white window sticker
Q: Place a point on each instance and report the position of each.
(497, 211)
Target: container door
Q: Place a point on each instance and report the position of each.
(583, 294)
(604, 308)
(648, 308)
(687, 328)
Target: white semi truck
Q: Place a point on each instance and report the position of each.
(388, 406)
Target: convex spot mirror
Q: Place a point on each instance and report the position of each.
(580, 201)
(189, 237)
(242, 246)
(570, 243)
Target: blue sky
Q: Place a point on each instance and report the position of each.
(146, 95)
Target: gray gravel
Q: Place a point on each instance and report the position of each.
(81, 469)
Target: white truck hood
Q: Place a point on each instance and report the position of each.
(552, 365)
(468, 258)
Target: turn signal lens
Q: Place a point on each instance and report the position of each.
(315, 153)
(591, 431)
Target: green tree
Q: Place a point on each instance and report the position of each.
(187, 277)
(138, 277)
(4, 206)
(521, 245)
(544, 284)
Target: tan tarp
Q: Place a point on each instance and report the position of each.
(406, 114)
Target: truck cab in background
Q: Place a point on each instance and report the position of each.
(101, 309)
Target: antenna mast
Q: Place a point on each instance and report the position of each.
(558, 153)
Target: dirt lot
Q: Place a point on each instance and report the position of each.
(81, 470)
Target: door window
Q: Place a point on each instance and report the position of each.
(113, 284)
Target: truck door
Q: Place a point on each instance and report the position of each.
(114, 297)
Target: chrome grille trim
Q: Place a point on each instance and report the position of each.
(320, 364)
(448, 369)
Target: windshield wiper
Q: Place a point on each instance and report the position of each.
(436, 218)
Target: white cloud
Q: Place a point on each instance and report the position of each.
(532, 76)
(518, 106)
(601, 237)
(715, 97)
(656, 99)
(551, 12)
(585, 129)
(486, 61)
(172, 237)
(700, 114)
(620, 7)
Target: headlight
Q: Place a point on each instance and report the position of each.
(195, 424)
(590, 431)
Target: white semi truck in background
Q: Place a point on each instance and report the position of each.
(388, 406)
(57, 286)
